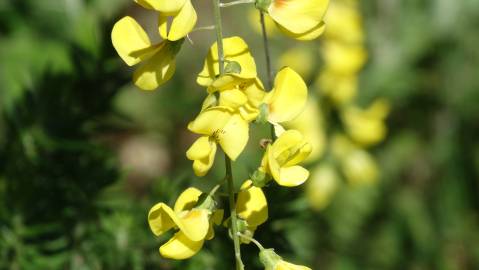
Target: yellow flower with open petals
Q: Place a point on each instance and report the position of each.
(273, 261)
(283, 156)
(182, 13)
(134, 47)
(251, 205)
(288, 97)
(300, 19)
(244, 98)
(366, 126)
(193, 224)
(218, 125)
(236, 52)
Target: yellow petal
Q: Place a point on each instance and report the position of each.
(200, 149)
(202, 166)
(235, 49)
(254, 91)
(131, 42)
(298, 16)
(233, 98)
(292, 176)
(180, 247)
(282, 265)
(288, 139)
(234, 136)
(195, 224)
(273, 167)
(165, 6)
(288, 98)
(359, 167)
(300, 154)
(251, 204)
(183, 22)
(322, 187)
(158, 69)
(187, 199)
(311, 34)
(342, 58)
(160, 218)
(210, 121)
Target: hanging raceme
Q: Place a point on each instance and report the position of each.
(234, 98)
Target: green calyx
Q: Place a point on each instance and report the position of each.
(260, 178)
(263, 5)
(263, 114)
(232, 67)
(206, 202)
(269, 258)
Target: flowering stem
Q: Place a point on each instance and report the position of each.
(269, 68)
(251, 239)
(229, 171)
(238, 2)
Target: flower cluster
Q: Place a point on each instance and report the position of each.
(345, 155)
(234, 98)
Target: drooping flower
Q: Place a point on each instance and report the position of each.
(134, 46)
(322, 186)
(194, 224)
(217, 125)
(300, 19)
(366, 126)
(251, 206)
(357, 164)
(281, 159)
(239, 65)
(182, 13)
(273, 261)
(287, 99)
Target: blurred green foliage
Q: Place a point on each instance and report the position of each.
(75, 197)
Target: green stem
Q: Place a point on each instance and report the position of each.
(238, 2)
(229, 171)
(252, 240)
(269, 67)
(267, 53)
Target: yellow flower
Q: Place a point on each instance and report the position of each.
(358, 165)
(183, 17)
(340, 88)
(344, 23)
(288, 97)
(310, 124)
(237, 56)
(218, 125)
(281, 159)
(300, 19)
(244, 98)
(133, 45)
(194, 224)
(366, 126)
(342, 58)
(251, 205)
(322, 186)
(273, 261)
